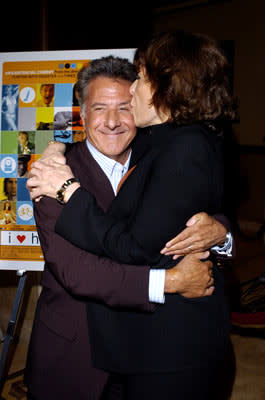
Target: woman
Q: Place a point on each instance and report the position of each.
(7, 215)
(9, 107)
(182, 98)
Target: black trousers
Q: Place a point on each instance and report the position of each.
(187, 384)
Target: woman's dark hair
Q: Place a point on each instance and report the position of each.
(189, 76)
(108, 67)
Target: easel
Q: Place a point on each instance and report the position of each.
(21, 268)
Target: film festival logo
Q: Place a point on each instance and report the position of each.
(8, 165)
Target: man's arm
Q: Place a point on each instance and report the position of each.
(101, 279)
(86, 275)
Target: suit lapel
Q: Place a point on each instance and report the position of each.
(91, 175)
(125, 177)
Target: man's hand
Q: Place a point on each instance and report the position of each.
(52, 155)
(54, 152)
(47, 179)
(191, 277)
(202, 232)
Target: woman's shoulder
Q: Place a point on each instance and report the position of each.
(196, 134)
(186, 134)
(190, 141)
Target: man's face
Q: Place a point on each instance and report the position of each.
(21, 167)
(47, 93)
(11, 187)
(23, 138)
(107, 117)
(79, 136)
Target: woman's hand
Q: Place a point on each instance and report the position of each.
(202, 232)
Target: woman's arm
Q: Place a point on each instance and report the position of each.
(177, 187)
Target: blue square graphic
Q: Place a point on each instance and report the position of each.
(22, 191)
(63, 95)
(8, 165)
(25, 213)
(63, 136)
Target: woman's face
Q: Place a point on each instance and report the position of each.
(7, 206)
(9, 90)
(144, 112)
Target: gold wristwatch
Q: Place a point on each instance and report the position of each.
(61, 192)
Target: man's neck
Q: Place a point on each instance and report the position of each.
(122, 159)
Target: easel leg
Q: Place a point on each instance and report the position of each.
(11, 325)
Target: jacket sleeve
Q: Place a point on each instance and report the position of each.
(87, 275)
(178, 186)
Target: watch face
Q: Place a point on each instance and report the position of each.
(60, 196)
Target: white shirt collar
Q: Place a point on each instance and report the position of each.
(108, 165)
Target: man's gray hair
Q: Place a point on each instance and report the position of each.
(108, 67)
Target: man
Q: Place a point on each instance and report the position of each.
(24, 145)
(46, 95)
(59, 361)
(22, 166)
(10, 188)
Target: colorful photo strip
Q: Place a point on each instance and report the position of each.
(39, 104)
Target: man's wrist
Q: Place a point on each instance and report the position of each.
(70, 191)
(172, 281)
(157, 285)
(67, 189)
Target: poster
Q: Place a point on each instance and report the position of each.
(38, 104)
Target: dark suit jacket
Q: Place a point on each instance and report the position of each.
(180, 176)
(59, 360)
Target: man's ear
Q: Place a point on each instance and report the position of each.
(83, 117)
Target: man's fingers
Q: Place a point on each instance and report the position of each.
(38, 199)
(210, 283)
(32, 182)
(37, 165)
(57, 157)
(194, 219)
(176, 256)
(202, 255)
(35, 194)
(209, 291)
(34, 173)
(54, 160)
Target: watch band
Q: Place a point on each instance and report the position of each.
(61, 192)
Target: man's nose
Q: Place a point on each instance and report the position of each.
(112, 119)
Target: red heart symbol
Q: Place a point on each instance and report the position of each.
(21, 238)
